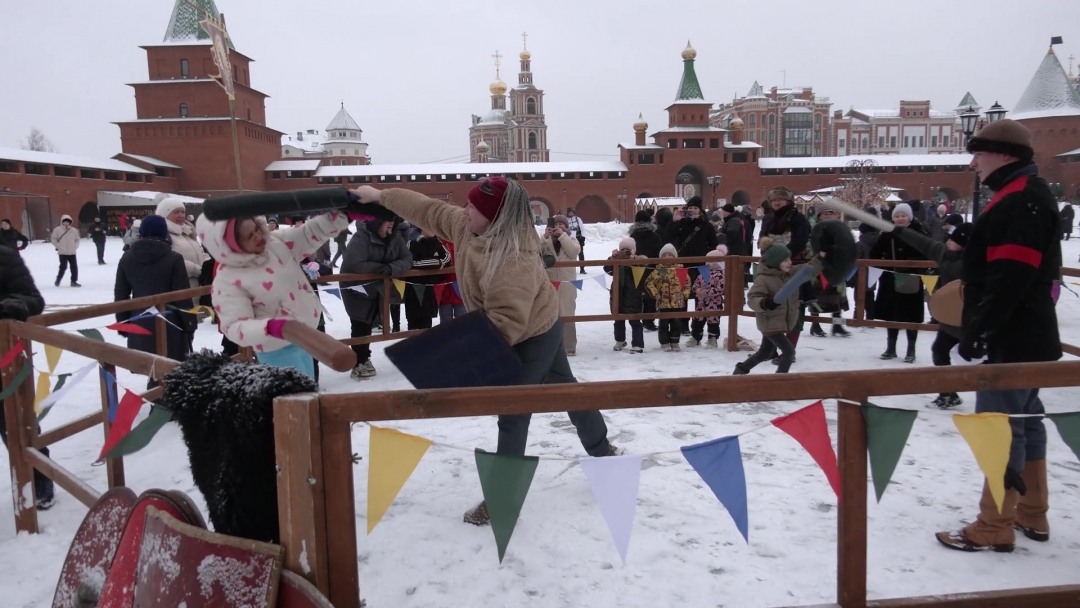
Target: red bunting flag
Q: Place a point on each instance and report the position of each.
(439, 290)
(125, 416)
(9, 357)
(130, 328)
(684, 276)
(807, 426)
(824, 282)
(556, 284)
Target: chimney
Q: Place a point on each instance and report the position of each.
(299, 136)
(736, 136)
(640, 128)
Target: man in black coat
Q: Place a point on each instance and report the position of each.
(19, 300)
(735, 230)
(694, 236)
(10, 237)
(427, 253)
(648, 243)
(1068, 214)
(1012, 259)
(98, 231)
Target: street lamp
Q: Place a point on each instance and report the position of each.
(714, 181)
(995, 113)
(968, 120)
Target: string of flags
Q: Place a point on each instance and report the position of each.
(615, 480)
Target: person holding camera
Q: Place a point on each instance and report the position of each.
(574, 227)
(559, 243)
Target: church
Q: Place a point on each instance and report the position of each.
(517, 135)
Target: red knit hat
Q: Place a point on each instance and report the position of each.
(487, 196)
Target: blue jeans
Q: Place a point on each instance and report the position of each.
(1029, 434)
(290, 356)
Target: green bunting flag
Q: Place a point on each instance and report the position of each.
(140, 436)
(1068, 425)
(93, 334)
(419, 290)
(20, 377)
(887, 432)
(60, 380)
(505, 482)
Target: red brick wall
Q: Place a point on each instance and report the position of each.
(1050, 137)
(163, 62)
(203, 98)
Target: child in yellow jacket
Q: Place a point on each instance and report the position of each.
(670, 294)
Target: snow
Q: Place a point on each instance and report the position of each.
(470, 168)
(304, 563)
(153, 161)
(293, 165)
(1048, 94)
(685, 550)
(69, 160)
(882, 160)
(112, 198)
(746, 145)
(691, 130)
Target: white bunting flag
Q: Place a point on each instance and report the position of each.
(614, 482)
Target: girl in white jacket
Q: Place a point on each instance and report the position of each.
(260, 283)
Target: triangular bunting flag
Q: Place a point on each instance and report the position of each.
(600, 279)
(899, 278)
(638, 272)
(9, 357)
(334, 291)
(52, 356)
(110, 388)
(683, 274)
(505, 482)
(1068, 425)
(141, 435)
(719, 463)
(753, 269)
(457, 289)
(400, 286)
(824, 281)
(93, 334)
(419, 290)
(808, 427)
(439, 290)
(125, 415)
(130, 328)
(580, 284)
(358, 289)
(872, 276)
(887, 432)
(392, 458)
(62, 388)
(556, 284)
(19, 378)
(930, 281)
(42, 391)
(989, 436)
(60, 380)
(705, 272)
(854, 271)
(614, 482)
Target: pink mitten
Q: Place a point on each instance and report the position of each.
(273, 328)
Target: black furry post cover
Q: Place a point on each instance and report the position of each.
(226, 415)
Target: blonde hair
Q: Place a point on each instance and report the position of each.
(505, 234)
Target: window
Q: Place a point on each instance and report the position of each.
(751, 136)
(772, 119)
(341, 152)
(817, 120)
(615, 175)
(693, 143)
(532, 141)
(530, 106)
(362, 179)
(881, 141)
(8, 167)
(234, 73)
(906, 141)
(752, 120)
(34, 169)
(865, 143)
(356, 152)
(183, 68)
(183, 110)
(817, 136)
(249, 114)
(797, 129)
(88, 174)
(563, 175)
(739, 157)
(591, 175)
(131, 177)
(922, 141)
(714, 143)
(892, 141)
(933, 141)
(840, 144)
(672, 144)
(112, 175)
(646, 159)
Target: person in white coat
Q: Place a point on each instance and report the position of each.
(65, 238)
(182, 233)
(561, 244)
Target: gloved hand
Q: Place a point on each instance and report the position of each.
(971, 348)
(274, 327)
(311, 269)
(769, 304)
(14, 308)
(383, 269)
(1013, 481)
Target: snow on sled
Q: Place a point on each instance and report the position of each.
(91, 553)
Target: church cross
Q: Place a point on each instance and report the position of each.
(498, 58)
(525, 40)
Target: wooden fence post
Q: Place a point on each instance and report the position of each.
(114, 467)
(851, 514)
(733, 274)
(341, 511)
(161, 338)
(301, 487)
(18, 417)
(860, 293)
(387, 321)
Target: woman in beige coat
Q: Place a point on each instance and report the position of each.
(65, 238)
(558, 242)
(182, 233)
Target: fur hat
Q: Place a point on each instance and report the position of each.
(168, 205)
(775, 255)
(669, 249)
(826, 210)
(781, 193)
(905, 209)
(765, 242)
(643, 216)
(1004, 137)
(728, 208)
(695, 201)
(962, 233)
(561, 219)
(487, 196)
(954, 219)
(154, 227)
(628, 243)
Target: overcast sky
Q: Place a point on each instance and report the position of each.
(413, 72)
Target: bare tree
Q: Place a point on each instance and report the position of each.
(37, 142)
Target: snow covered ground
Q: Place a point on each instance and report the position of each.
(685, 550)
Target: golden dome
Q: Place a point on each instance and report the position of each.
(498, 87)
(482, 147)
(689, 53)
(736, 123)
(640, 125)
(525, 55)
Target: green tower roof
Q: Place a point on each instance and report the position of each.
(689, 89)
(184, 24)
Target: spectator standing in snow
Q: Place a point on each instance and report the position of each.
(576, 229)
(935, 224)
(132, 235)
(499, 272)
(182, 233)
(65, 238)
(670, 294)
(1068, 214)
(647, 244)
(98, 231)
(451, 305)
(868, 235)
(630, 299)
(428, 253)
(710, 296)
(559, 243)
(1011, 261)
(342, 241)
(789, 227)
(831, 298)
(665, 225)
(10, 237)
(900, 293)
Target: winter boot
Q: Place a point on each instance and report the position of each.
(675, 347)
(637, 350)
(890, 349)
(910, 357)
(364, 371)
(74, 284)
(649, 325)
(666, 348)
(57, 283)
(740, 370)
(816, 331)
(1032, 508)
(571, 352)
(612, 450)
(711, 343)
(478, 516)
(953, 400)
(992, 531)
(839, 331)
(619, 346)
(692, 342)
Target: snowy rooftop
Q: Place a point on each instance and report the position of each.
(895, 113)
(1048, 94)
(151, 160)
(312, 141)
(293, 165)
(832, 189)
(189, 119)
(184, 27)
(798, 110)
(756, 90)
(494, 117)
(662, 201)
(644, 147)
(170, 81)
(882, 160)
(746, 145)
(69, 160)
(113, 198)
(691, 130)
(470, 168)
(343, 121)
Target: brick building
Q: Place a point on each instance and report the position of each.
(517, 134)
(786, 121)
(913, 128)
(1050, 108)
(340, 144)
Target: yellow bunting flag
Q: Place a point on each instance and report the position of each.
(930, 281)
(639, 271)
(400, 286)
(43, 389)
(990, 438)
(392, 457)
(52, 355)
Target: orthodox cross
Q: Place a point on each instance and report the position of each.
(498, 57)
(525, 40)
